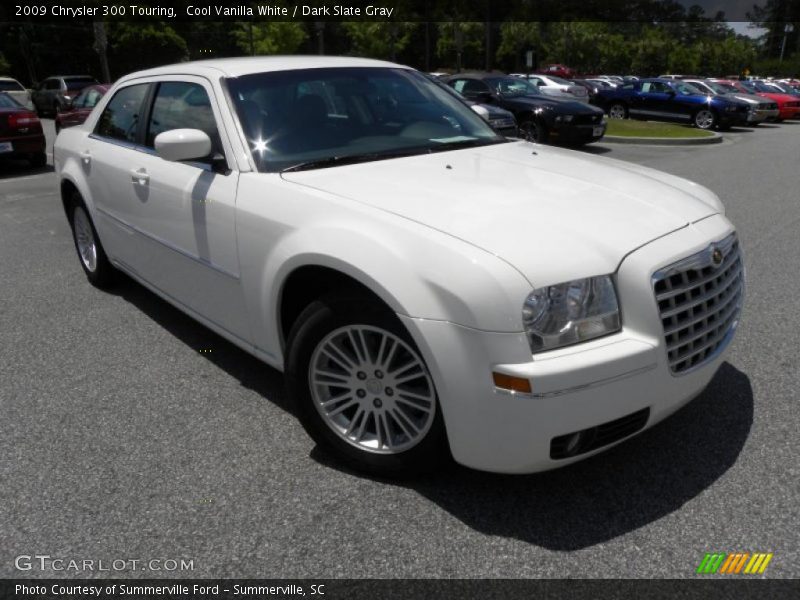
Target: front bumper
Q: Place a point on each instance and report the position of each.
(574, 388)
(568, 133)
(761, 115)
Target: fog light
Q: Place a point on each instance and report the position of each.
(513, 384)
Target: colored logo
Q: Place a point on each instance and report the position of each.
(734, 563)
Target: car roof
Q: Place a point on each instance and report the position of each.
(479, 75)
(246, 65)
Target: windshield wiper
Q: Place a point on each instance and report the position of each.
(455, 145)
(351, 159)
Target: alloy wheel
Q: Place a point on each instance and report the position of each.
(704, 119)
(84, 238)
(372, 389)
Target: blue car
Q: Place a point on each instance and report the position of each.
(671, 100)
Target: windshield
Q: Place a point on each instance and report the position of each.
(7, 101)
(686, 89)
(320, 117)
(727, 88)
(6, 85)
(512, 87)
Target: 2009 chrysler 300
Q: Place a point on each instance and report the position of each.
(427, 286)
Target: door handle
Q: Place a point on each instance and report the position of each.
(86, 156)
(139, 176)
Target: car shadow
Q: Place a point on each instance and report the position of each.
(10, 169)
(251, 373)
(611, 494)
(594, 149)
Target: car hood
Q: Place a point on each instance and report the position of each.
(559, 105)
(553, 214)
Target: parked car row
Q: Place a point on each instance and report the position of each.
(705, 103)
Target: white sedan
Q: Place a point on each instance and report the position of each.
(429, 288)
(561, 88)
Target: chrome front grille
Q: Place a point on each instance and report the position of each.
(699, 299)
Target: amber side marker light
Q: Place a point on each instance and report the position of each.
(514, 384)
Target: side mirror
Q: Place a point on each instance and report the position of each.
(670, 93)
(484, 97)
(183, 144)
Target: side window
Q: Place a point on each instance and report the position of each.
(474, 86)
(458, 85)
(120, 118)
(182, 105)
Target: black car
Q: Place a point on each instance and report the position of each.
(540, 118)
(55, 93)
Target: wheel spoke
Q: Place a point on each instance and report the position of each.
(332, 378)
(407, 402)
(342, 408)
(338, 357)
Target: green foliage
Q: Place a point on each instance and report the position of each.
(136, 45)
(276, 37)
(378, 40)
(516, 38)
(471, 36)
(5, 67)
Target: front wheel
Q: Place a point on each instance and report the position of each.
(618, 111)
(705, 119)
(533, 131)
(362, 388)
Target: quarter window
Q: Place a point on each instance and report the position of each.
(120, 119)
(182, 105)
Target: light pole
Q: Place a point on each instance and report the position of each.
(789, 28)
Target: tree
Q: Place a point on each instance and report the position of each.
(378, 40)
(138, 45)
(650, 52)
(4, 66)
(274, 37)
(461, 44)
(516, 38)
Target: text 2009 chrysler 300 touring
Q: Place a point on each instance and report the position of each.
(428, 286)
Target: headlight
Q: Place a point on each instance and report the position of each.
(571, 312)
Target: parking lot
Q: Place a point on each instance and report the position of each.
(129, 431)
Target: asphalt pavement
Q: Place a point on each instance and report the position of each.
(128, 431)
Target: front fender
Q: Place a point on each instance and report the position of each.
(417, 271)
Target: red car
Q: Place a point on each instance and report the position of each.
(557, 70)
(81, 106)
(21, 134)
(788, 106)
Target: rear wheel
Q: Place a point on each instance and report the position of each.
(362, 388)
(93, 259)
(618, 111)
(705, 119)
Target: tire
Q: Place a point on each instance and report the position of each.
(348, 347)
(38, 160)
(618, 111)
(92, 256)
(533, 131)
(705, 118)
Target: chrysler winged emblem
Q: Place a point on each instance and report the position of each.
(716, 256)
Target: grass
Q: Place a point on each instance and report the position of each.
(633, 128)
